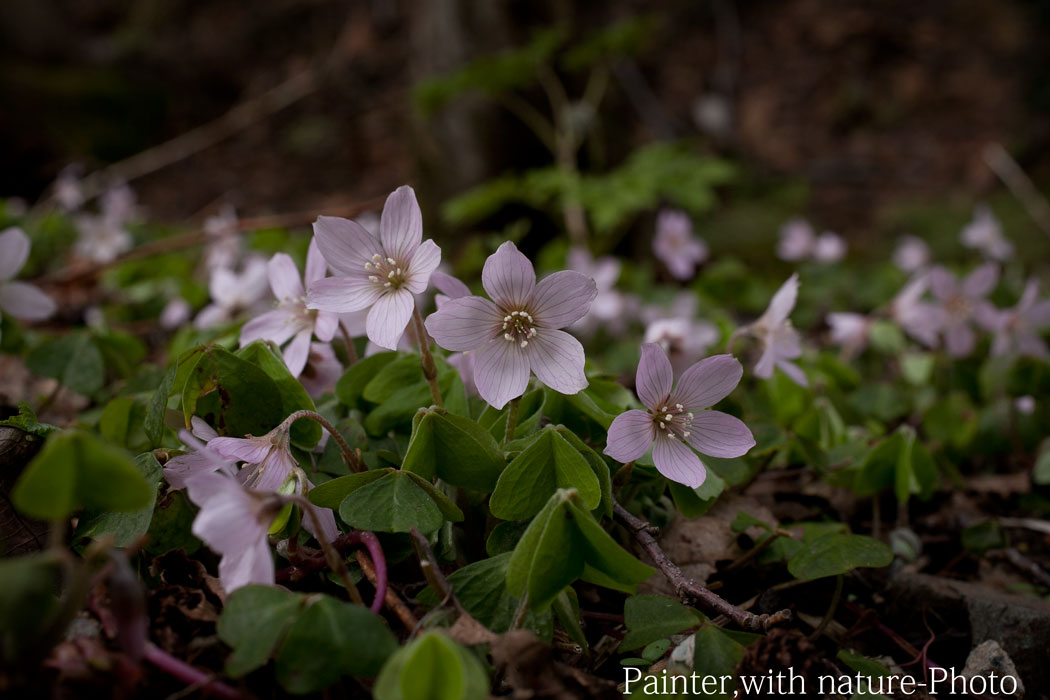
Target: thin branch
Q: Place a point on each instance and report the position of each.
(188, 674)
(688, 589)
(335, 559)
(1022, 187)
(396, 605)
(1027, 565)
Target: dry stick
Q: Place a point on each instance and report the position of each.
(184, 672)
(686, 588)
(1027, 565)
(426, 359)
(392, 601)
(350, 456)
(431, 571)
(1003, 164)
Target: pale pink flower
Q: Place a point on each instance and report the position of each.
(607, 311)
(381, 275)
(919, 319)
(676, 419)
(986, 235)
(175, 313)
(234, 522)
(849, 330)
(200, 460)
(291, 319)
(68, 191)
(519, 333)
(19, 299)
(1025, 405)
(322, 371)
(911, 254)
(829, 248)
(223, 247)
(796, 240)
(676, 246)
(1018, 329)
(685, 340)
(450, 288)
(962, 303)
(233, 293)
(102, 237)
(780, 340)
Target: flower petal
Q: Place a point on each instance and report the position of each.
(297, 352)
(653, 378)
(250, 564)
(342, 294)
(424, 261)
(345, 244)
(959, 340)
(783, 302)
(388, 318)
(401, 225)
(14, 251)
(508, 277)
(943, 283)
(449, 285)
(562, 298)
(981, 281)
(677, 462)
(501, 372)
(466, 323)
(277, 325)
(25, 301)
(316, 267)
(325, 325)
(707, 382)
(284, 277)
(794, 372)
(250, 450)
(630, 435)
(719, 435)
(557, 360)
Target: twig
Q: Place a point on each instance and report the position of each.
(184, 672)
(831, 608)
(688, 589)
(392, 600)
(431, 571)
(1003, 164)
(305, 563)
(1027, 565)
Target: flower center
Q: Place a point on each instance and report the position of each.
(518, 327)
(385, 272)
(674, 420)
(958, 306)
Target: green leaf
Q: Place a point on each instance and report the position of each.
(158, 406)
(331, 493)
(432, 667)
(716, 655)
(396, 502)
(253, 622)
(598, 466)
(549, 463)
(695, 502)
(304, 434)
(125, 527)
(28, 607)
(567, 608)
(983, 536)
(76, 470)
(837, 553)
(652, 617)
(351, 386)
(27, 422)
(869, 668)
(74, 360)
(455, 449)
(234, 395)
(171, 526)
(331, 639)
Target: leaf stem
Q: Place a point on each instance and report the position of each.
(334, 559)
(392, 600)
(512, 420)
(184, 672)
(427, 360)
(350, 456)
(836, 596)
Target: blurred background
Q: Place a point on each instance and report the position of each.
(871, 118)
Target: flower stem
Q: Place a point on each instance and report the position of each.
(184, 672)
(335, 560)
(350, 456)
(427, 360)
(831, 608)
(375, 552)
(351, 351)
(512, 420)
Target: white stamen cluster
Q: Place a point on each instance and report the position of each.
(674, 420)
(518, 327)
(385, 272)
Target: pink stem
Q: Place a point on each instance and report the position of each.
(375, 553)
(184, 672)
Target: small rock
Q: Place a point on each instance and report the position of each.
(989, 658)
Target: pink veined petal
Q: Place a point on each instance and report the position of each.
(562, 299)
(284, 277)
(653, 378)
(316, 267)
(269, 474)
(329, 530)
(388, 318)
(297, 352)
(707, 382)
(466, 323)
(508, 277)
(449, 285)
(354, 322)
(766, 363)
(501, 372)
(630, 435)
(277, 325)
(250, 564)
(783, 302)
(14, 251)
(345, 244)
(23, 300)
(464, 362)
(557, 360)
(794, 372)
(249, 450)
(342, 294)
(401, 225)
(325, 325)
(719, 435)
(422, 264)
(959, 340)
(201, 430)
(981, 281)
(943, 284)
(677, 462)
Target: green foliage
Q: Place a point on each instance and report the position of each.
(26, 421)
(126, 527)
(455, 449)
(652, 617)
(432, 667)
(74, 360)
(28, 607)
(230, 393)
(836, 553)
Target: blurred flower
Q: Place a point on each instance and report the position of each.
(1018, 329)
(519, 332)
(20, 299)
(67, 189)
(962, 303)
(986, 235)
(829, 248)
(291, 319)
(103, 237)
(200, 460)
(676, 246)
(849, 331)
(607, 309)
(683, 339)
(780, 340)
(234, 522)
(381, 275)
(223, 246)
(322, 370)
(796, 240)
(175, 313)
(919, 319)
(233, 293)
(1025, 405)
(675, 418)
(911, 253)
